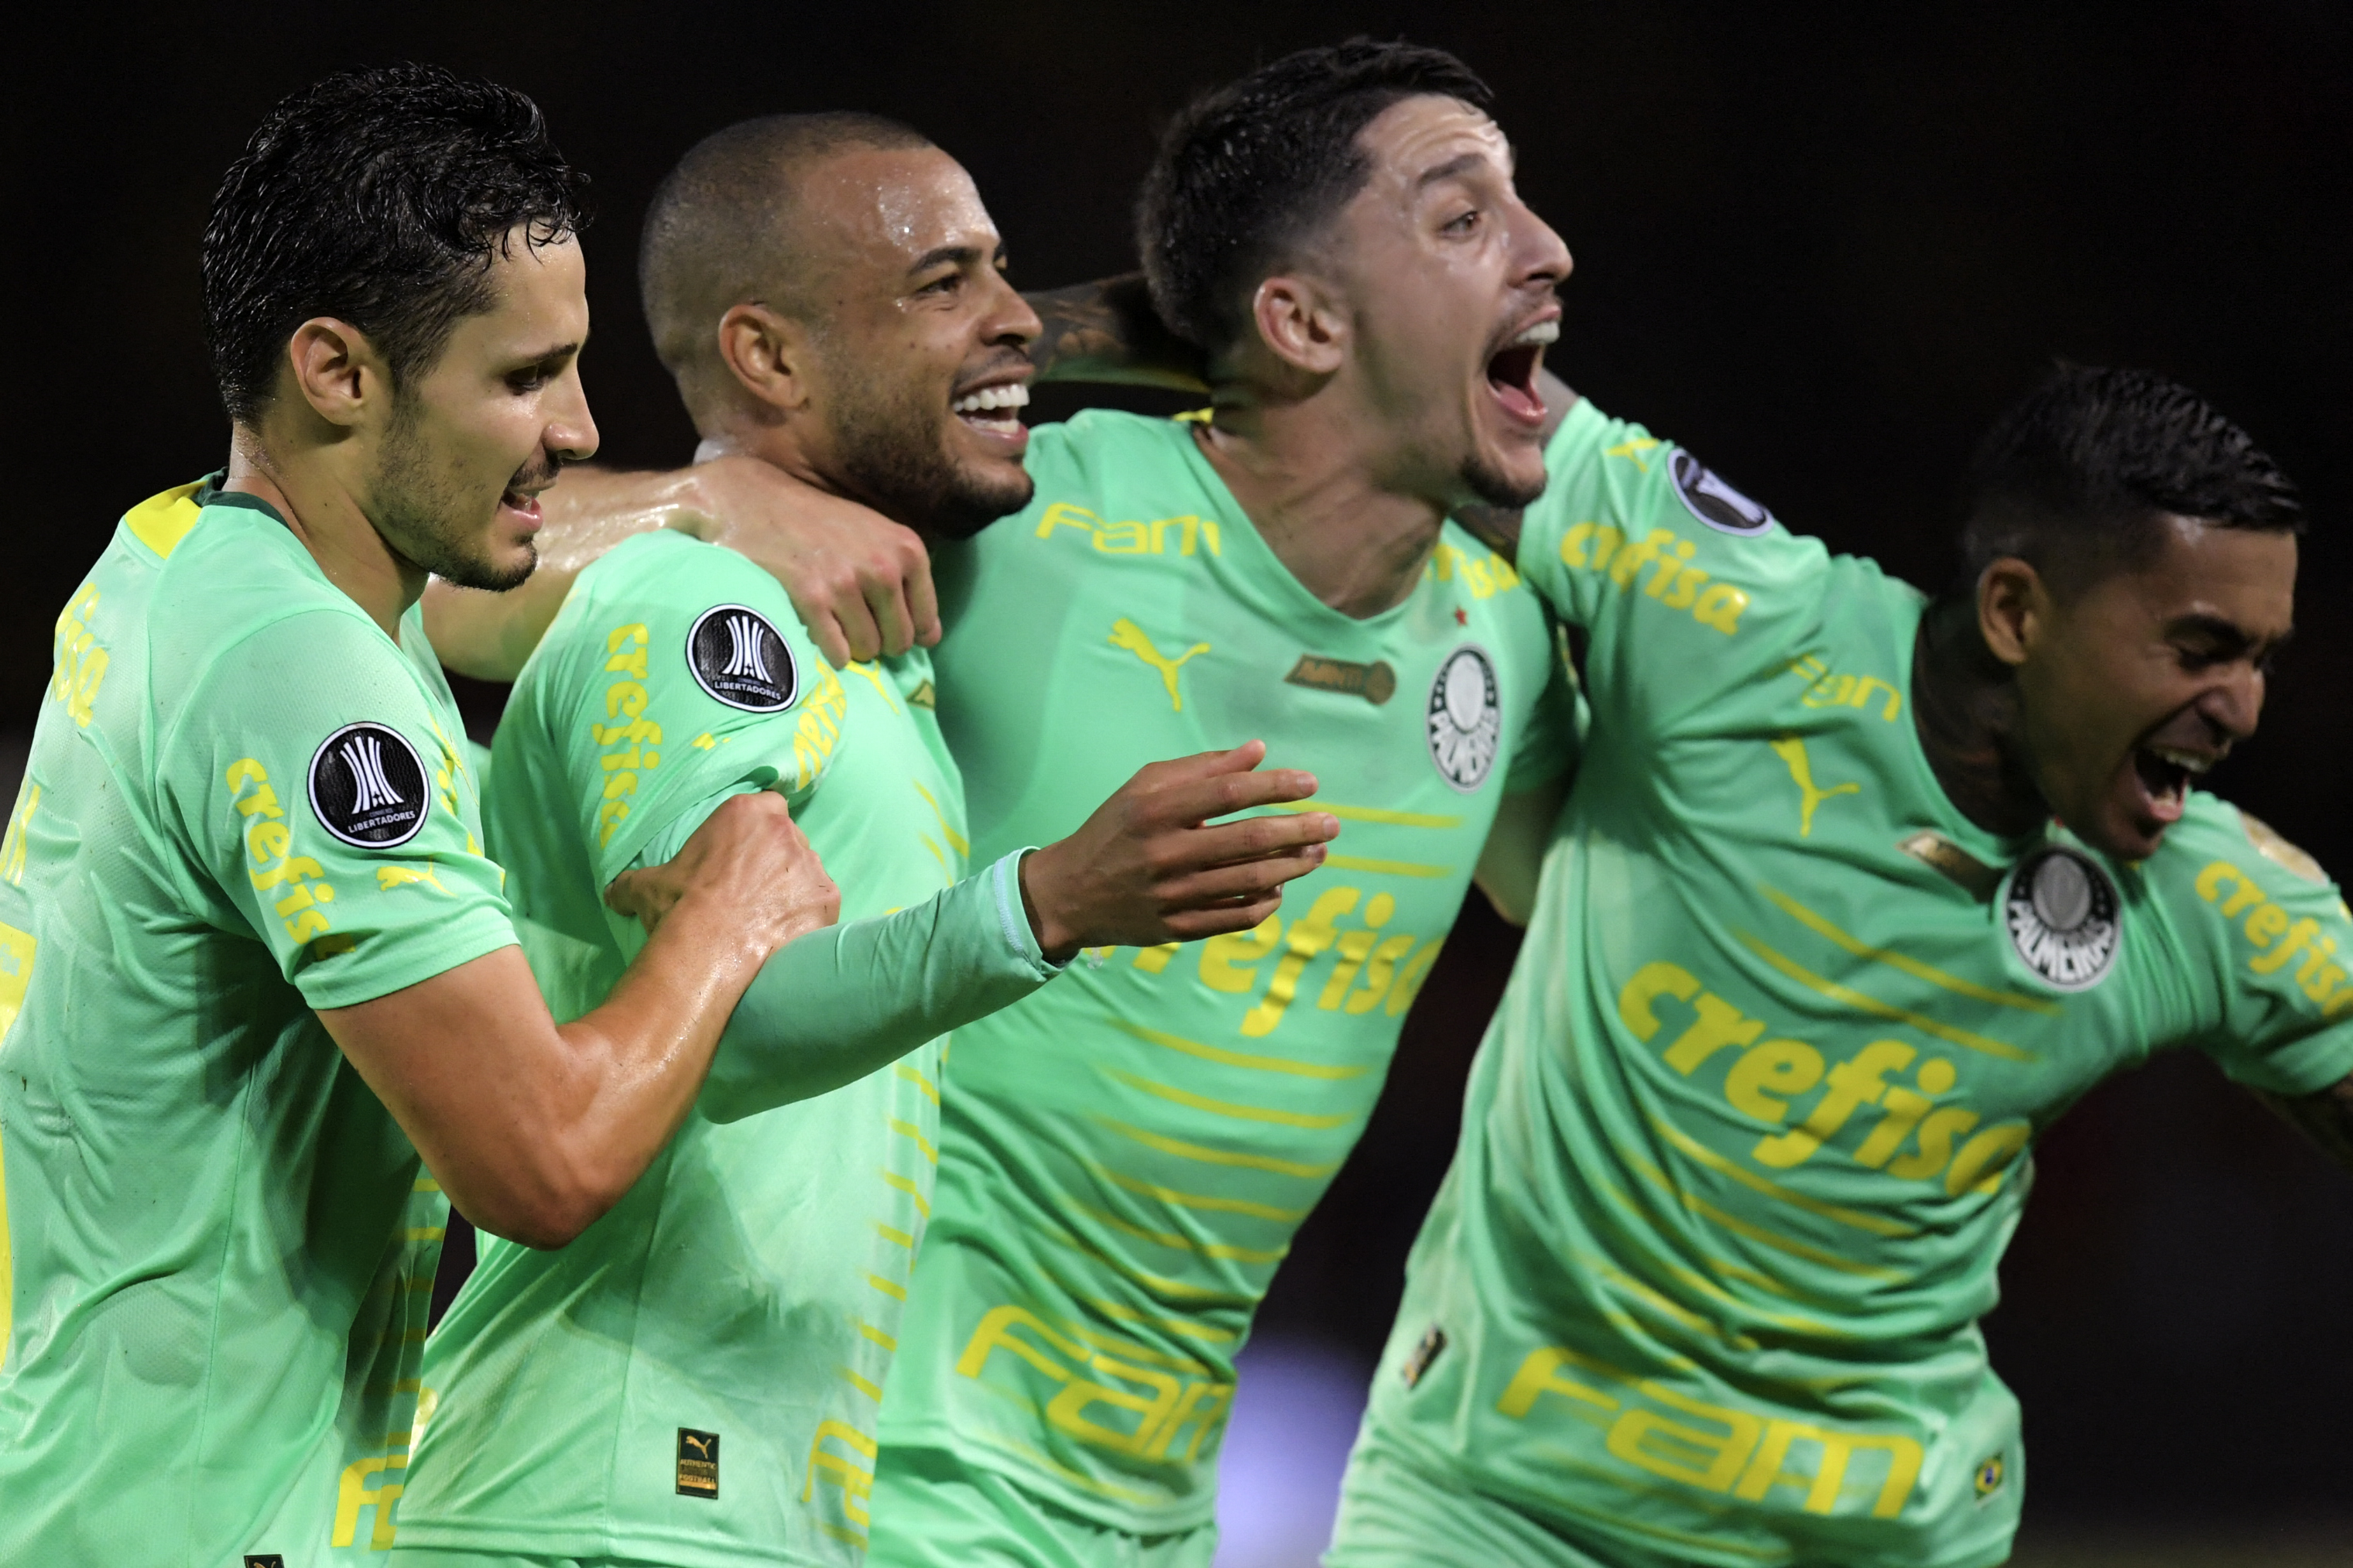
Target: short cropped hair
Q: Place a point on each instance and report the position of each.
(723, 226)
(1251, 173)
(380, 197)
(2076, 476)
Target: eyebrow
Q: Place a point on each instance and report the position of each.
(2227, 633)
(961, 255)
(1449, 169)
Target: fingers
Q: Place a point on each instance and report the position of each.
(1191, 925)
(886, 601)
(1252, 838)
(923, 600)
(1202, 766)
(1250, 879)
(825, 630)
(862, 636)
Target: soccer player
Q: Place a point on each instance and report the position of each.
(255, 959)
(1126, 1155)
(696, 1379)
(1856, 892)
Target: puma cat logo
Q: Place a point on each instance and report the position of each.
(1126, 634)
(1792, 752)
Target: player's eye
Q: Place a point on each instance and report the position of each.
(947, 285)
(1462, 223)
(528, 380)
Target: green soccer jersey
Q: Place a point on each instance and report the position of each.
(695, 1379)
(1749, 1131)
(244, 803)
(1126, 1154)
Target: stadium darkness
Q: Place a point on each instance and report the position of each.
(1819, 250)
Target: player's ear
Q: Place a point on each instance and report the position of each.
(337, 371)
(1300, 323)
(767, 353)
(2013, 609)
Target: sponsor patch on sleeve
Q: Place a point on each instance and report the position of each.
(740, 660)
(1708, 497)
(368, 786)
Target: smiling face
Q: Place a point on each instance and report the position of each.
(475, 439)
(1449, 278)
(921, 368)
(2145, 678)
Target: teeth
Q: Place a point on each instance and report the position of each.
(1542, 332)
(2189, 761)
(1014, 395)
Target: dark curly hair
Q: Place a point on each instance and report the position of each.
(1249, 174)
(378, 197)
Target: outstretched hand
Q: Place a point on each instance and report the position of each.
(861, 584)
(1148, 868)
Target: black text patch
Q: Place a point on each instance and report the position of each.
(737, 656)
(1713, 502)
(698, 1463)
(1465, 718)
(368, 786)
(2061, 913)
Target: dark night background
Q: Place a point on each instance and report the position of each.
(1819, 246)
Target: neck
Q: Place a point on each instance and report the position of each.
(1307, 480)
(323, 513)
(1965, 709)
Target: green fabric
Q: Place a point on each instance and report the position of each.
(1127, 1153)
(749, 1284)
(221, 1245)
(932, 1512)
(1393, 1515)
(1746, 1140)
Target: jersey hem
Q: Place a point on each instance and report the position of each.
(537, 1542)
(980, 1454)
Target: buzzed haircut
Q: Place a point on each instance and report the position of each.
(722, 227)
(378, 197)
(2074, 478)
(1251, 173)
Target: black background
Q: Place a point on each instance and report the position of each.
(1821, 246)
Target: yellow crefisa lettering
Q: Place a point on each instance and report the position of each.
(1673, 582)
(275, 865)
(77, 666)
(12, 843)
(2278, 940)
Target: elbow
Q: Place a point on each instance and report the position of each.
(543, 1210)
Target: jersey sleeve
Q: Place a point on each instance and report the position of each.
(1553, 736)
(310, 781)
(831, 1006)
(678, 677)
(2283, 951)
(1677, 586)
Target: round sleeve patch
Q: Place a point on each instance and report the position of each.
(740, 660)
(368, 786)
(1708, 497)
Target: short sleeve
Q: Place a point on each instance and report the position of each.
(316, 785)
(2284, 954)
(1677, 585)
(681, 676)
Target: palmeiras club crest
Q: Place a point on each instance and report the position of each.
(1465, 718)
(368, 786)
(738, 658)
(2063, 915)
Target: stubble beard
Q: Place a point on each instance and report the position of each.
(418, 513)
(1497, 488)
(890, 450)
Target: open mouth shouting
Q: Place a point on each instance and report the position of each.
(994, 413)
(2164, 774)
(1512, 371)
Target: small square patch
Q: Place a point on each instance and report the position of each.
(698, 1463)
(265, 1560)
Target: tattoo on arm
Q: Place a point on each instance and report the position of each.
(2325, 1118)
(1108, 332)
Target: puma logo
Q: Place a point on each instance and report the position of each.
(696, 1441)
(1126, 634)
(1792, 752)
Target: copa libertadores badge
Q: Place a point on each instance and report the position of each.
(368, 786)
(2062, 912)
(738, 658)
(1708, 497)
(1466, 719)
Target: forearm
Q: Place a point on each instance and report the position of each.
(1108, 332)
(839, 1003)
(490, 636)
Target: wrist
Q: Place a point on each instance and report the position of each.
(1056, 941)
